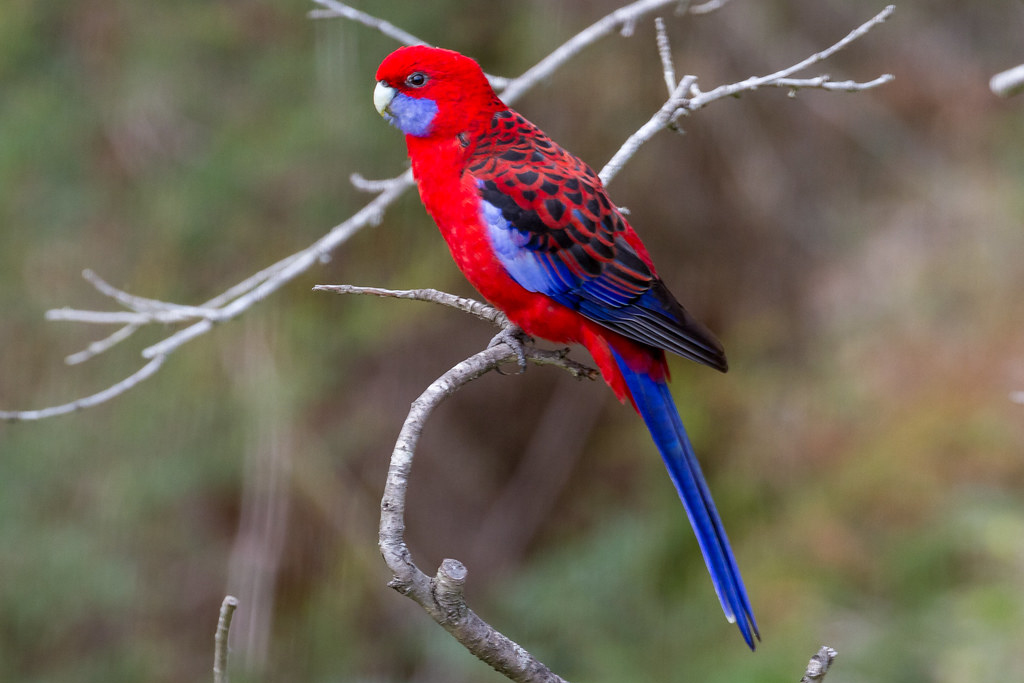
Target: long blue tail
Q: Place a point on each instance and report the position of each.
(658, 410)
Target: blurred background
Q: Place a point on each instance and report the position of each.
(860, 256)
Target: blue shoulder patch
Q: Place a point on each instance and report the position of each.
(533, 270)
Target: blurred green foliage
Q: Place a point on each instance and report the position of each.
(859, 255)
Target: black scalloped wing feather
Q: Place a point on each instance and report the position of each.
(557, 232)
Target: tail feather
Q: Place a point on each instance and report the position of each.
(654, 403)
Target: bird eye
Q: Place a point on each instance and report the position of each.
(416, 79)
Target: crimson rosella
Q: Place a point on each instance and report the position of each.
(532, 228)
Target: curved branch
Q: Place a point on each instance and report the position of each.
(441, 597)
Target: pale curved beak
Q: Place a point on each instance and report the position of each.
(382, 96)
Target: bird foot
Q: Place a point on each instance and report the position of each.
(514, 336)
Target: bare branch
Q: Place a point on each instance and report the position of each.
(116, 317)
(702, 99)
(131, 301)
(364, 185)
(143, 373)
(334, 9)
(665, 52)
(618, 20)
(228, 305)
(853, 35)
(678, 104)
(819, 665)
(98, 347)
(1008, 83)
(656, 123)
(220, 639)
(339, 10)
(442, 596)
(708, 7)
(826, 83)
(471, 306)
(290, 268)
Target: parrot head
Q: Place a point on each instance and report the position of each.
(431, 92)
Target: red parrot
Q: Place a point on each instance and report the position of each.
(532, 228)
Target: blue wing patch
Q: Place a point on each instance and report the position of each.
(529, 268)
(608, 283)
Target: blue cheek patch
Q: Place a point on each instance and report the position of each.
(412, 115)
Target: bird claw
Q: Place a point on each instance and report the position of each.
(515, 338)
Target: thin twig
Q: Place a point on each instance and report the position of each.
(133, 302)
(1008, 83)
(708, 7)
(665, 53)
(98, 347)
(826, 83)
(678, 104)
(364, 185)
(471, 306)
(617, 20)
(704, 98)
(220, 640)
(294, 265)
(137, 318)
(656, 123)
(340, 9)
(140, 375)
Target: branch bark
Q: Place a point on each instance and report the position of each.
(442, 596)
(819, 665)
